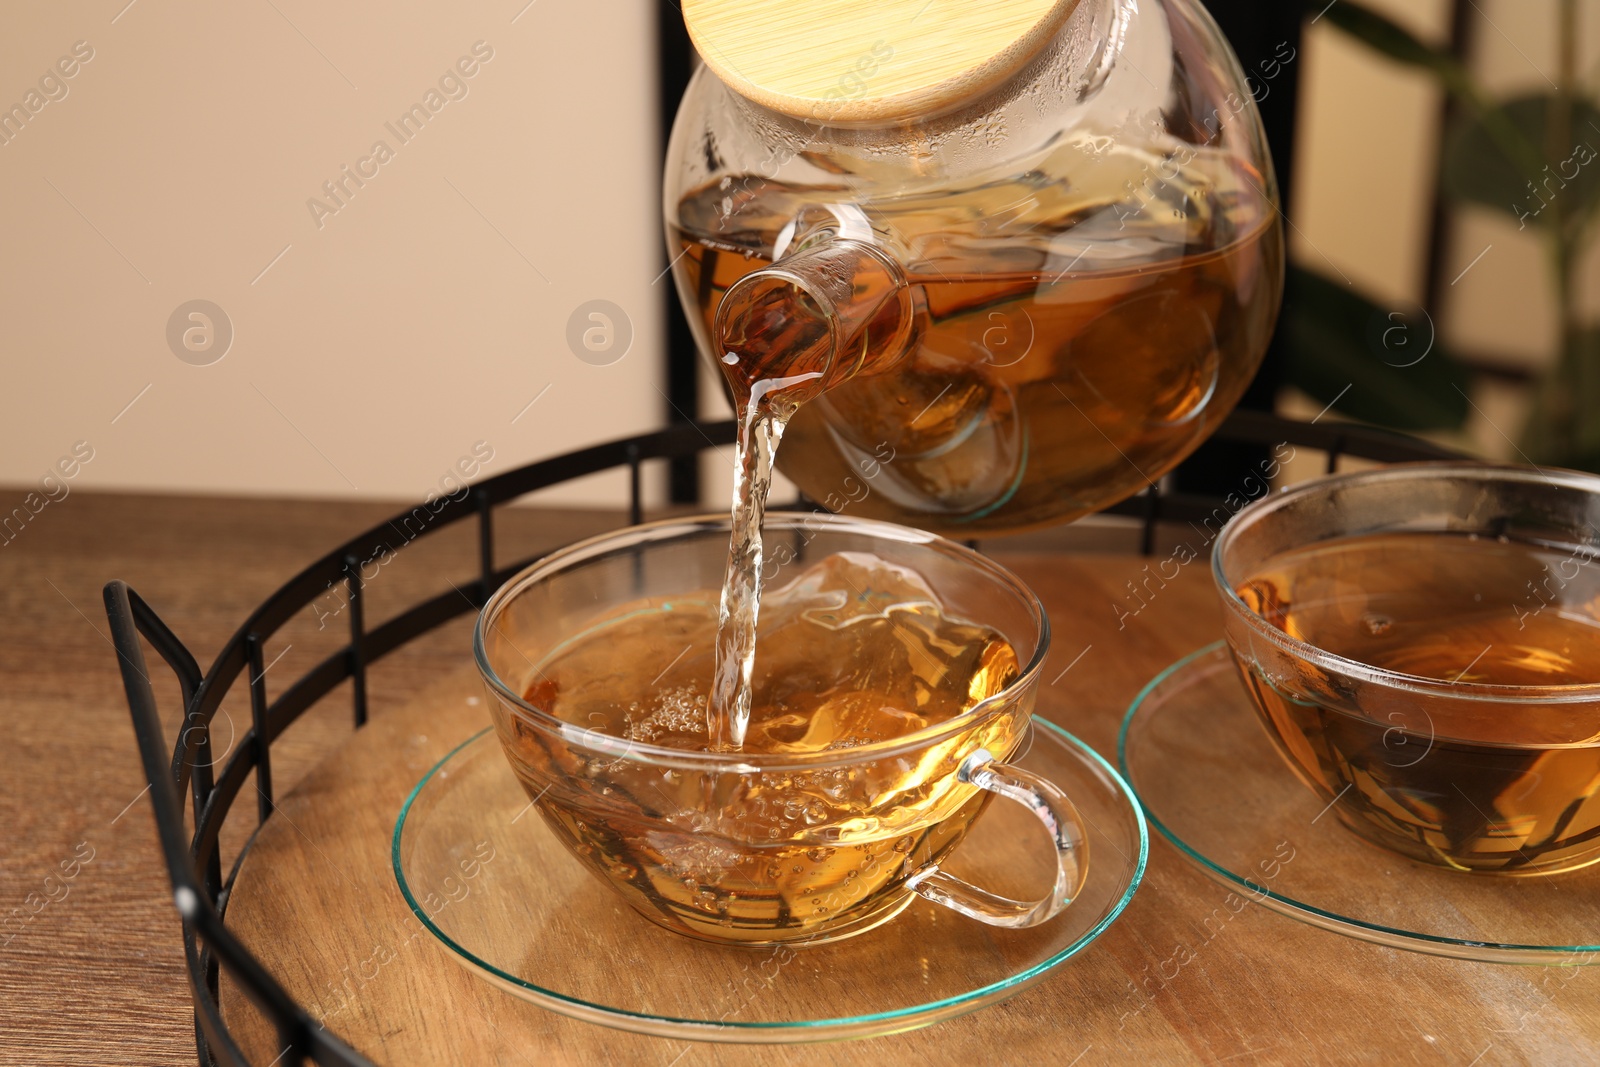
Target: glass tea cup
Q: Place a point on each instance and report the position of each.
(1422, 644)
(766, 848)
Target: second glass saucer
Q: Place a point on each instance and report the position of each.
(485, 875)
(1194, 750)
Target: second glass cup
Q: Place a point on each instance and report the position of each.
(762, 848)
(1420, 643)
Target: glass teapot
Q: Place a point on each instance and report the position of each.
(1028, 250)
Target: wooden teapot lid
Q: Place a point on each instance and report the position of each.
(869, 61)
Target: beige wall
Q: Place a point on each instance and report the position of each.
(388, 340)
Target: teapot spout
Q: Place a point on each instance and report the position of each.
(823, 314)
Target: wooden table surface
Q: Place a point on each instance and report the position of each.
(91, 967)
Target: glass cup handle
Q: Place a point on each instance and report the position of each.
(1051, 805)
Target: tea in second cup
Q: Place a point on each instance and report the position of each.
(1423, 646)
(893, 671)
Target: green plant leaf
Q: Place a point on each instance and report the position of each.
(1563, 427)
(1373, 363)
(1383, 35)
(1478, 171)
(1393, 40)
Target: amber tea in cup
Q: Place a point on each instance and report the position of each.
(1423, 645)
(893, 670)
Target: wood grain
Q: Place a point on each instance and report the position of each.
(97, 976)
(848, 60)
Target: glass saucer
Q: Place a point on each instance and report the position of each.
(485, 875)
(1213, 785)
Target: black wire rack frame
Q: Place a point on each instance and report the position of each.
(199, 889)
